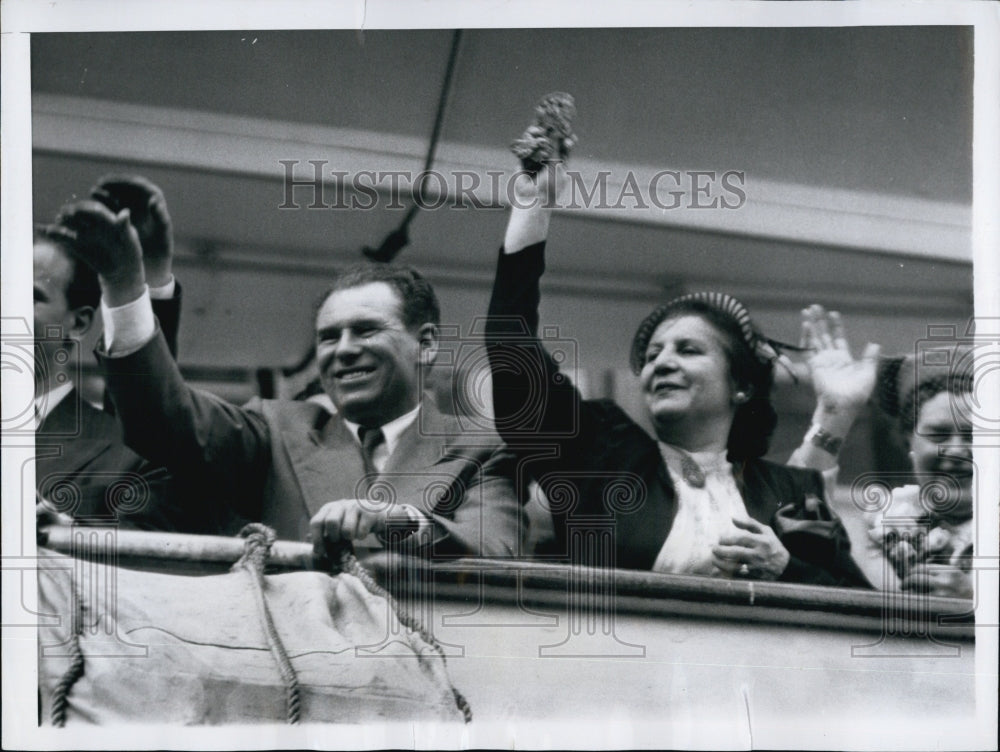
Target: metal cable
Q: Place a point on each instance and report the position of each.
(399, 238)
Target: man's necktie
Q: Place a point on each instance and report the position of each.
(401, 527)
(371, 438)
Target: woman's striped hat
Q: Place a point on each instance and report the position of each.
(765, 349)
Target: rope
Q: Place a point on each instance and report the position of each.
(257, 547)
(259, 539)
(60, 695)
(349, 563)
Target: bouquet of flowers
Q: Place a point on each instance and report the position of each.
(908, 535)
(550, 136)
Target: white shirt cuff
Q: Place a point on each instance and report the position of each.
(128, 327)
(425, 525)
(163, 292)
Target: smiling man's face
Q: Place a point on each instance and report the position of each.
(369, 360)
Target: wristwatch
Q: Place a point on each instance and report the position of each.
(399, 528)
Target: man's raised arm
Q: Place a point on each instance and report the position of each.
(192, 434)
(150, 217)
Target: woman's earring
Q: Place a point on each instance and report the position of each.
(740, 397)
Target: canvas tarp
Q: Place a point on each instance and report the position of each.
(162, 648)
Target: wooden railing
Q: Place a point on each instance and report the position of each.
(527, 583)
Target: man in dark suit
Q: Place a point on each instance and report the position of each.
(387, 463)
(83, 468)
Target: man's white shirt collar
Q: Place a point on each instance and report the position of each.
(391, 430)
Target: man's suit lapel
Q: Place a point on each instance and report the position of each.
(421, 445)
(410, 470)
(326, 460)
(327, 463)
(70, 438)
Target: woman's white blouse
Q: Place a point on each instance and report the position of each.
(703, 514)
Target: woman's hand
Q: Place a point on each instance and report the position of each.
(842, 384)
(532, 201)
(938, 579)
(753, 550)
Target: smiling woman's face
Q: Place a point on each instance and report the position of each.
(686, 373)
(941, 452)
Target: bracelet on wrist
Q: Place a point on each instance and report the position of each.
(820, 438)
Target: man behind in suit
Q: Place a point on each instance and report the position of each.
(388, 462)
(83, 468)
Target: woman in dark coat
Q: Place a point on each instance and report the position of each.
(697, 499)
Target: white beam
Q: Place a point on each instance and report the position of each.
(810, 214)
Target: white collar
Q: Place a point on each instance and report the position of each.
(391, 430)
(709, 461)
(45, 403)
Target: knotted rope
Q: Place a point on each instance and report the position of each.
(257, 546)
(349, 563)
(259, 539)
(60, 695)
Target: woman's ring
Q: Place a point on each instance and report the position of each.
(744, 570)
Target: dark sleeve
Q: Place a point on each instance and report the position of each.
(168, 313)
(174, 505)
(533, 403)
(815, 538)
(205, 442)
